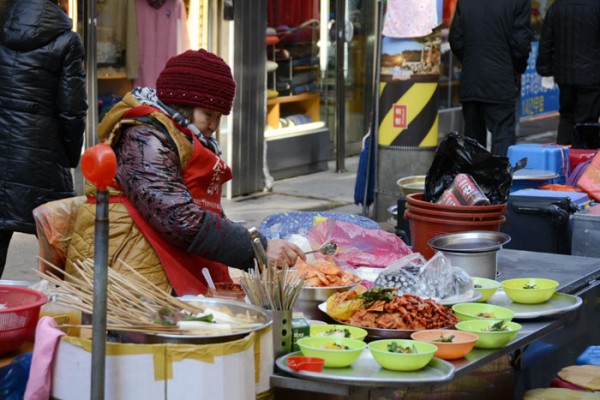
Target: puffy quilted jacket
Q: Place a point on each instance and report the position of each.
(42, 109)
(492, 39)
(570, 43)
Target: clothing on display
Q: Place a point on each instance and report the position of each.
(412, 18)
(117, 42)
(162, 34)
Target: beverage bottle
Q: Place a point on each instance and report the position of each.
(63, 315)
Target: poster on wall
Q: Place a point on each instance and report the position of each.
(408, 97)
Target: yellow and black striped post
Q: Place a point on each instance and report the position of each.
(408, 112)
(407, 120)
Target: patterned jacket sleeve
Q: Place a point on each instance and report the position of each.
(149, 175)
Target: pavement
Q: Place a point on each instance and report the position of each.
(323, 191)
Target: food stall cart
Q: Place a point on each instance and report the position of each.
(547, 342)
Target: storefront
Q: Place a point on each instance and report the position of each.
(303, 88)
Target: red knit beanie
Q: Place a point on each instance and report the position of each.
(197, 78)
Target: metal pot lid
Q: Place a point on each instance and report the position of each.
(534, 174)
(470, 241)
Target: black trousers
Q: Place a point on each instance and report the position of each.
(5, 237)
(499, 119)
(577, 104)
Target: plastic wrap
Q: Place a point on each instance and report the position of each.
(435, 278)
(54, 223)
(357, 246)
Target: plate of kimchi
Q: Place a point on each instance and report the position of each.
(384, 314)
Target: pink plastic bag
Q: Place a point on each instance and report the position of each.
(359, 247)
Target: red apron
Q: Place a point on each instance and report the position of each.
(203, 176)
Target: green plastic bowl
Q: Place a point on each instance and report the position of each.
(488, 339)
(487, 287)
(469, 311)
(529, 290)
(334, 330)
(314, 346)
(402, 361)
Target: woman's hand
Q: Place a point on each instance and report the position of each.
(284, 252)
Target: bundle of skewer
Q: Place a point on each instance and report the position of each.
(133, 301)
(272, 288)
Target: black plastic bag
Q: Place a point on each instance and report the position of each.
(458, 154)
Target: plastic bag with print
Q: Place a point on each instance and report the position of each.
(357, 246)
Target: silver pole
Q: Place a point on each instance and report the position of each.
(340, 86)
(91, 83)
(372, 155)
(100, 285)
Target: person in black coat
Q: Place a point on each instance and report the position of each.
(492, 39)
(42, 112)
(570, 52)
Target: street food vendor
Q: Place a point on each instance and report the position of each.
(166, 219)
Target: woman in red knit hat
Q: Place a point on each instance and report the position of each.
(166, 218)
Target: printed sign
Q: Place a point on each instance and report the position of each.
(535, 99)
(400, 116)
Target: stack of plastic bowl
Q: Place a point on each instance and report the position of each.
(428, 220)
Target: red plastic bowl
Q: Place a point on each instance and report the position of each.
(454, 216)
(303, 363)
(422, 229)
(19, 317)
(417, 199)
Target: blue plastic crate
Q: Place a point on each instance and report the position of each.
(548, 157)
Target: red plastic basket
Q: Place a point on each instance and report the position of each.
(19, 317)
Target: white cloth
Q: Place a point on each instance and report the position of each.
(548, 82)
(410, 18)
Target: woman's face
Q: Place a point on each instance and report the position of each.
(207, 121)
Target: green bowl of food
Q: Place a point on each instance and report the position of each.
(469, 311)
(529, 290)
(493, 334)
(337, 352)
(402, 354)
(487, 287)
(338, 331)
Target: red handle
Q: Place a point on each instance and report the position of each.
(99, 165)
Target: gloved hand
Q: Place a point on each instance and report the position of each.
(548, 82)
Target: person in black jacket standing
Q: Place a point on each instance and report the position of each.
(492, 39)
(42, 112)
(570, 52)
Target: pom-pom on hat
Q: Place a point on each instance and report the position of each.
(197, 78)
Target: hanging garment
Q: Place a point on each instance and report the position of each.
(410, 18)
(162, 33)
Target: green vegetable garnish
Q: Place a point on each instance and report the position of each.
(445, 339)
(203, 318)
(380, 294)
(497, 327)
(395, 348)
(333, 332)
(530, 286)
(477, 286)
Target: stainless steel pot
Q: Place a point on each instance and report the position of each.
(474, 251)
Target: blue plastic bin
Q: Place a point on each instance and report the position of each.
(547, 157)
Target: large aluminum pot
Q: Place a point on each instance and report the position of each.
(474, 251)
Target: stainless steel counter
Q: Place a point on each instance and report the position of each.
(543, 346)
